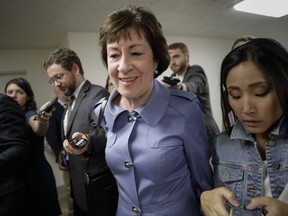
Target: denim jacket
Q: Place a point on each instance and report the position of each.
(238, 165)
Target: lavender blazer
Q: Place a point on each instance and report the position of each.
(159, 156)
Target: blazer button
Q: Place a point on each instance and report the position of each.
(128, 164)
(132, 118)
(136, 210)
(271, 143)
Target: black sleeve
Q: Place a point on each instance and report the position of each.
(14, 147)
(53, 135)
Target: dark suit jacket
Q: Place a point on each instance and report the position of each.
(196, 81)
(83, 119)
(53, 135)
(14, 146)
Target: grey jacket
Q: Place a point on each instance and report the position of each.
(83, 119)
(196, 81)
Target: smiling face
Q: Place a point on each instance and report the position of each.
(131, 67)
(252, 98)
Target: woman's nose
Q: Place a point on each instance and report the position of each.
(124, 64)
(248, 106)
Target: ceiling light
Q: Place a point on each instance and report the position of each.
(273, 8)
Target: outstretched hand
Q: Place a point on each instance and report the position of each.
(213, 201)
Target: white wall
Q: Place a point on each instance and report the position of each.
(29, 61)
(87, 48)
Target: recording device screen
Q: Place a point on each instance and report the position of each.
(78, 143)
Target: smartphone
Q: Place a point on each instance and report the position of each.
(78, 143)
(49, 106)
(170, 80)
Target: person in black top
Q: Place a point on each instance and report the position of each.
(14, 148)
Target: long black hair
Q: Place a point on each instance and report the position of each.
(269, 56)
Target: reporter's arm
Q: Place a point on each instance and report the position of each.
(39, 125)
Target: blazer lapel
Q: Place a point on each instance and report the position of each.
(63, 137)
(82, 94)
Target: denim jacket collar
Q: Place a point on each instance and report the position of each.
(239, 132)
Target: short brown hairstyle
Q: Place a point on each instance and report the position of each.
(119, 23)
(180, 46)
(64, 57)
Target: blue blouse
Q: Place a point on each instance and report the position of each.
(159, 154)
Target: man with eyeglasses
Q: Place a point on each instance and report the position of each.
(65, 71)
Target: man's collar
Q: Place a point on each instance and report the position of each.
(76, 92)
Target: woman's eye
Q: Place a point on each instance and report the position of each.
(136, 53)
(113, 55)
(235, 97)
(262, 94)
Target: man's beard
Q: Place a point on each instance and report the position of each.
(180, 69)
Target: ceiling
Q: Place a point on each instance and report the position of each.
(26, 24)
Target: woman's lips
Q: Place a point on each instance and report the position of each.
(251, 123)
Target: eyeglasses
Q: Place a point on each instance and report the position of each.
(56, 78)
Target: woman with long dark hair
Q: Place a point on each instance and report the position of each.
(43, 185)
(251, 155)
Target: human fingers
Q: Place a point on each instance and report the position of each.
(72, 150)
(218, 197)
(271, 206)
(258, 201)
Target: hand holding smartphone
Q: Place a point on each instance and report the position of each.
(78, 142)
(170, 80)
(49, 106)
